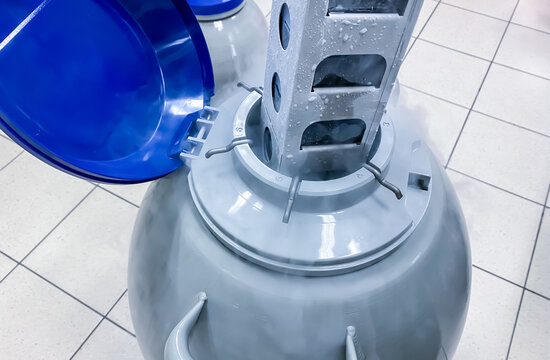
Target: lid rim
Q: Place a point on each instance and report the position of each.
(213, 7)
(131, 142)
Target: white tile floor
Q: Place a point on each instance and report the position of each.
(478, 74)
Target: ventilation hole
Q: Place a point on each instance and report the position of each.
(368, 6)
(276, 91)
(284, 26)
(268, 145)
(350, 70)
(334, 132)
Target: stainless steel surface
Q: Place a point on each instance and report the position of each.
(328, 79)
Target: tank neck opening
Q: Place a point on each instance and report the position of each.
(263, 149)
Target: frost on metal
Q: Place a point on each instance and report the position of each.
(332, 66)
(368, 6)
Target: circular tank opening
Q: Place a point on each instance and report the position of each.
(276, 91)
(284, 26)
(262, 146)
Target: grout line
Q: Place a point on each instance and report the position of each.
(455, 50)
(522, 71)
(537, 294)
(513, 124)
(99, 323)
(475, 111)
(536, 239)
(531, 28)
(12, 269)
(496, 18)
(103, 316)
(421, 30)
(494, 186)
(60, 289)
(58, 224)
(114, 322)
(498, 276)
(12, 160)
(118, 196)
(510, 282)
(20, 262)
(473, 11)
(86, 339)
(480, 58)
(481, 86)
(527, 277)
(120, 326)
(9, 257)
(434, 96)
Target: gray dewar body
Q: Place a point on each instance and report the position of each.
(290, 291)
(237, 43)
(317, 224)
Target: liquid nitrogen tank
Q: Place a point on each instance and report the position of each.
(236, 35)
(302, 219)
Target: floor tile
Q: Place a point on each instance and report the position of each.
(504, 155)
(39, 321)
(525, 49)
(533, 13)
(6, 264)
(532, 336)
(443, 72)
(38, 197)
(121, 314)
(132, 193)
(8, 151)
(465, 31)
(87, 254)
(516, 97)
(427, 10)
(438, 121)
(265, 6)
(539, 276)
(502, 227)
(493, 307)
(501, 9)
(409, 46)
(109, 342)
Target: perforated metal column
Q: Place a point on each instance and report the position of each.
(331, 67)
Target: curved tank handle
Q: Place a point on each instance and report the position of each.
(353, 348)
(177, 345)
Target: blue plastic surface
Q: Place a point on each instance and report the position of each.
(102, 89)
(213, 7)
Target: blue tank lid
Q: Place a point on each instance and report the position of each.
(103, 89)
(213, 7)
